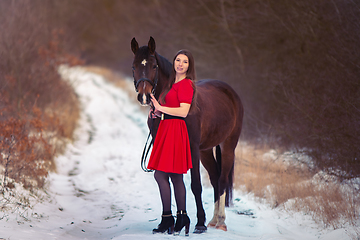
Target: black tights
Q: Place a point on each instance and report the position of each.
(162, 179)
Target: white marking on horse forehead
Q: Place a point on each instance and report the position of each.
(144, 62)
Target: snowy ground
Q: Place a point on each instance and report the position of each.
(100, 191)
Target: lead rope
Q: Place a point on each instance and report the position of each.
(147, 148)
(145, 154)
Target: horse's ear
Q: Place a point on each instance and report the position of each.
(151, 45)
(134, 45)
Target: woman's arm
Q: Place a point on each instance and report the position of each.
(181, 111)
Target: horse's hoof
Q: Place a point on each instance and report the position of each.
(200, 229)
(211, 225)
(222, 227)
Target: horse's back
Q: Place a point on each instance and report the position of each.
(216, 88)
(220, 96)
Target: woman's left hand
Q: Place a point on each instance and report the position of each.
(181, 111)
(155, 102)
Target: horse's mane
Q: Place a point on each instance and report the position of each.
(164, 65)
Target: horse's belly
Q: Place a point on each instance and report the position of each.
(213, 136)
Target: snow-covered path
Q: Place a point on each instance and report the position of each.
(100, 191)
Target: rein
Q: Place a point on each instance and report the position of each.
(147, 148)
(145, 154)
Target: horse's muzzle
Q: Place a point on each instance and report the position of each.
(144, 99)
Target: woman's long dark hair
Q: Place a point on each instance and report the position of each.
(190, 74)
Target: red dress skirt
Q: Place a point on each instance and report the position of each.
(171, 151)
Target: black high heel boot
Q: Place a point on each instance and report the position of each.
(182, 220)
(166, 224)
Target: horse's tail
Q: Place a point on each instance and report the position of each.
(229, 187)
(218, 158)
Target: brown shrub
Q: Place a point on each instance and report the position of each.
(287, 184)
(38, 109)
(25, 153)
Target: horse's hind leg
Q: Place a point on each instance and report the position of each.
(226, 178)
(211, 166)
(220, 224)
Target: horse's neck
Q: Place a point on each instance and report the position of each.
(164, 64)
(164, 73)
(162, 82)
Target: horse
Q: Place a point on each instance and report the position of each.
(216, 123)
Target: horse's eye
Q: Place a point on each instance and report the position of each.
(133, 68)
(155, 66)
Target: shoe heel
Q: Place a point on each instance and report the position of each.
(187, 228)
(171, 229)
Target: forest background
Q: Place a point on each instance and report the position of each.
(295, 64)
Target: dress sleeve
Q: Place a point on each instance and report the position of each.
(185, 92)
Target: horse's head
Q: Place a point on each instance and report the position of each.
(145, 70)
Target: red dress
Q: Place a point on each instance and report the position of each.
(171, 150)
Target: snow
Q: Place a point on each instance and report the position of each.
(100, 192)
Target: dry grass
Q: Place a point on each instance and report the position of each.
(113, 77)
(64, 121)
(285, 183)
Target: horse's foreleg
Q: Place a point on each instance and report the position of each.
(197, 190)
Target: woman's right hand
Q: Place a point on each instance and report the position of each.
(154, 113)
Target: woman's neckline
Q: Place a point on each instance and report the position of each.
(180, 80)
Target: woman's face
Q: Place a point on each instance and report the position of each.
(181, 64)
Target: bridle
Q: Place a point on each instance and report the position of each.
(153, 84)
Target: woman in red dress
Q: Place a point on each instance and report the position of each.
(171, 156)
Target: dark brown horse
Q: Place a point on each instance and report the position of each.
(216, 123)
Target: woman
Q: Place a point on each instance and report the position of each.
(171, 156)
